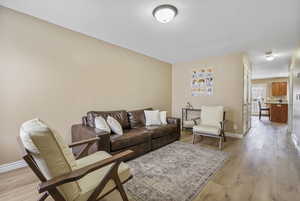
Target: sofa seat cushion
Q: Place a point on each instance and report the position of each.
(129, 138)
(161, 130)
(89, 182)
(215, 130)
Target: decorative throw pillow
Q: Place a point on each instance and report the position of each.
(114, 125)
(152, 117)
(163, 117)
(101, 124)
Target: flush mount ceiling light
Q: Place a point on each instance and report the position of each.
(165, 13)
(269, 56)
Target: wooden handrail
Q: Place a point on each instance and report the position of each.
(75, 144)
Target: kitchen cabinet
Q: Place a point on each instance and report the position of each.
(279, 113)
(284, 88)
(279, 88)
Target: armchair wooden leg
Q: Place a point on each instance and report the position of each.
(43, 197)
(224, 137)
(220, 143)
(120, 188)
(101, 185)
(194, 138)
(111, 174)
(259, 114)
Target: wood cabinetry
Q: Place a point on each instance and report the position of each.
(279, 113)
(279, 88)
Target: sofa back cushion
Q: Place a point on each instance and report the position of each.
(121, 116)
(137, 118)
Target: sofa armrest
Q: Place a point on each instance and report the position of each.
(81, 132)
(174, 120)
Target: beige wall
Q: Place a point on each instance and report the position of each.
(228, 87)
(58, 75)
(268, 82)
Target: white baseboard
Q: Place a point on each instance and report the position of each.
(234, 135)
(12, 166)
(295, 141)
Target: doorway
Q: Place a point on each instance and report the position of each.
(259, 93)
(272, 93)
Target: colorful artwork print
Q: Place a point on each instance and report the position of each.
(202, 82)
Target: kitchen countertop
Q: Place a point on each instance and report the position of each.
(277, 103)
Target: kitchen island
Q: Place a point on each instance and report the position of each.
(278, 111)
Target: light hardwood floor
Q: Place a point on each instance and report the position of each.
(264, 166)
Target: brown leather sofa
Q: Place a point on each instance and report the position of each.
(137, 136)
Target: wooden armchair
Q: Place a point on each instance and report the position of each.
(212, 124)
(64, 178)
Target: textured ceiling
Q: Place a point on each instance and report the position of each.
(202, 28)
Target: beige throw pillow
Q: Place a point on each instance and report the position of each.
(101, 124)
(163, 117)
(152, 117)
(114, 125)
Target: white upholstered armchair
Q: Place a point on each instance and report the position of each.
(212, 123)
(63, 177)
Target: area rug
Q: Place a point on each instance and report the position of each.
(176, 172)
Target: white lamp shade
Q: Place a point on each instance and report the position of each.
(165, 13)
(270, 57)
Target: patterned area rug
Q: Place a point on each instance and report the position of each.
(176, 172)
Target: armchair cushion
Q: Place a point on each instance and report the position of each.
(212, 115)
(215, 130)
(52, 155)
(91, 181)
